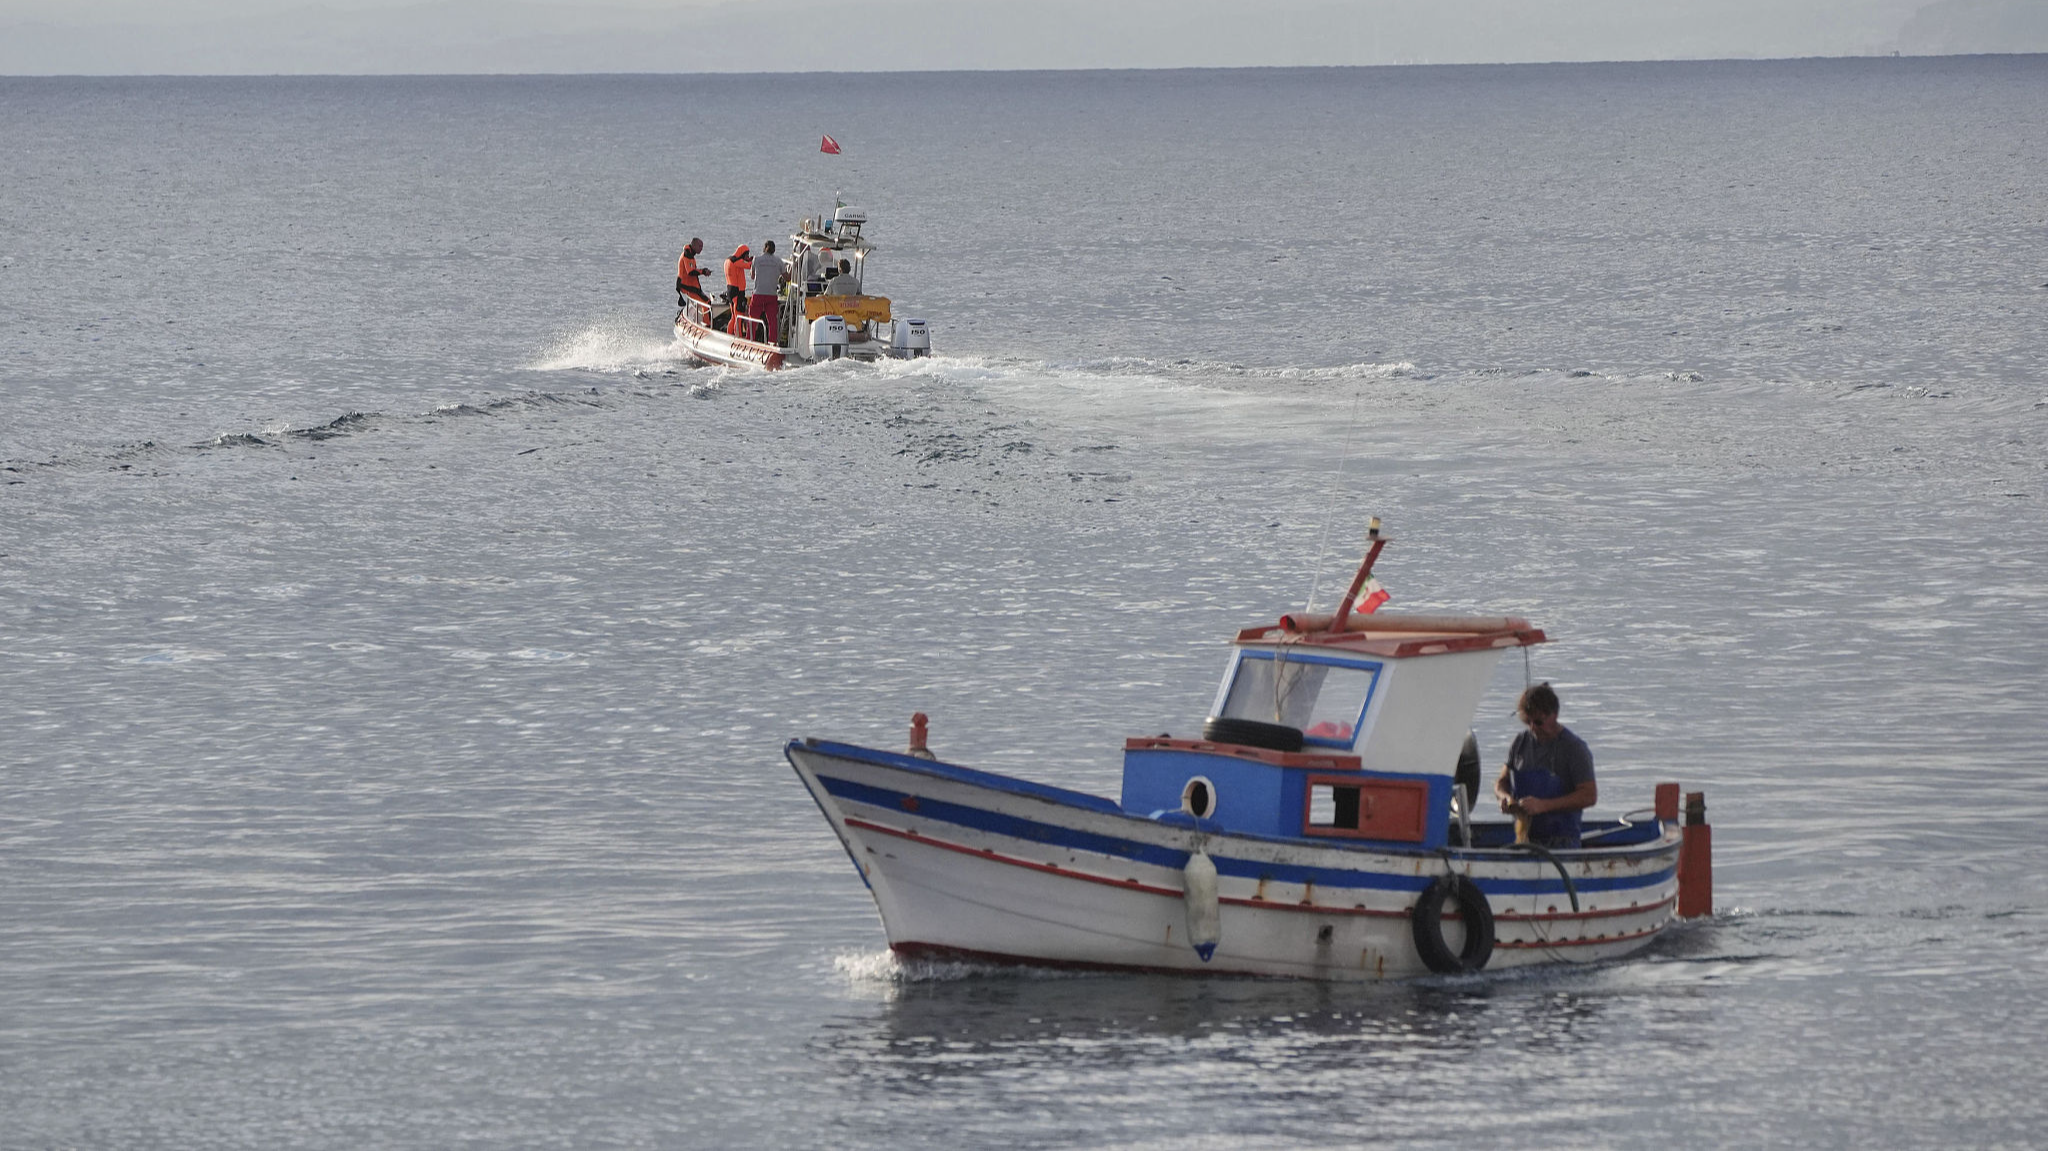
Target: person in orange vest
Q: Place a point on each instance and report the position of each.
(687, 286)
(736, 267)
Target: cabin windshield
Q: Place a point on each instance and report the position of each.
(1324, 699)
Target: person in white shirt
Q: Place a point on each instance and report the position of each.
(766, 303)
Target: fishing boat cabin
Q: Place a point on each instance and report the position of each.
(1350, 727)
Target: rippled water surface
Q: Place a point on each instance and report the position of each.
(397, 636)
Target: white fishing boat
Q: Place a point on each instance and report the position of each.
(825, 313)
(1316, 830)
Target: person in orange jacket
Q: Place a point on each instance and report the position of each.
(737, 266)
(687, 285)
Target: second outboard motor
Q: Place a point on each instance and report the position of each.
(912, 339)
(828, 338)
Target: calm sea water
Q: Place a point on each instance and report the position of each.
(397, 637)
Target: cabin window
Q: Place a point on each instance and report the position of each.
(1324, 699)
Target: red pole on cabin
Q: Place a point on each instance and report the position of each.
(1696, 860)
(919, 732)
(1372, 533)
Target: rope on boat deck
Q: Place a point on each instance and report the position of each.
(1570, 889)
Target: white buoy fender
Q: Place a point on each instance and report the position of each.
(1205, 922)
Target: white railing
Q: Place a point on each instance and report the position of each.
(699, 313)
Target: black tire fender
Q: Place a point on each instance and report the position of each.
(1467, 777)
(1427, 922)
(1251, 733)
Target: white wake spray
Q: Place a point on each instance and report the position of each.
(616, 345)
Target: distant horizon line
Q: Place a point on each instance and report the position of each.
(1017, 71)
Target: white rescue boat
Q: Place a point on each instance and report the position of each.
(824, 311)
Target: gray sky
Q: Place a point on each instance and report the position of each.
(442, 36)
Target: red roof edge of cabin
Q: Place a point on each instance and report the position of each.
(1397, 643)
(1324, 761)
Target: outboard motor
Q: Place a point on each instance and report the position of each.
(911, 340)
(828, 338)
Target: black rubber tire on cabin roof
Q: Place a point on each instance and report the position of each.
(1467, 776)
(1427, 923)
(1251, 733)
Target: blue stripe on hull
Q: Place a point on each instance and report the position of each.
(945, 771)
(1016, 827)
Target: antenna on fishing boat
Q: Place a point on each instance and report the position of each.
(1315, 579)
(1374, 542)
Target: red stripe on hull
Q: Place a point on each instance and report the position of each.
(946, 953)
(1593, 942)
(1275, 905)
(1595, 914)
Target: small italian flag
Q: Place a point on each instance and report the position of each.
(1371, 596)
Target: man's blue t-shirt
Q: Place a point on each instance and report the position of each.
(1545, 770)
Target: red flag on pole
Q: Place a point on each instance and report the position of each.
(830, 145)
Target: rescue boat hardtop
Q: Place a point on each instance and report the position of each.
(1314, 831)
(821, 317)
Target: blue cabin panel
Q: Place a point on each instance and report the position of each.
(1345, 806)
(1248, 794)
